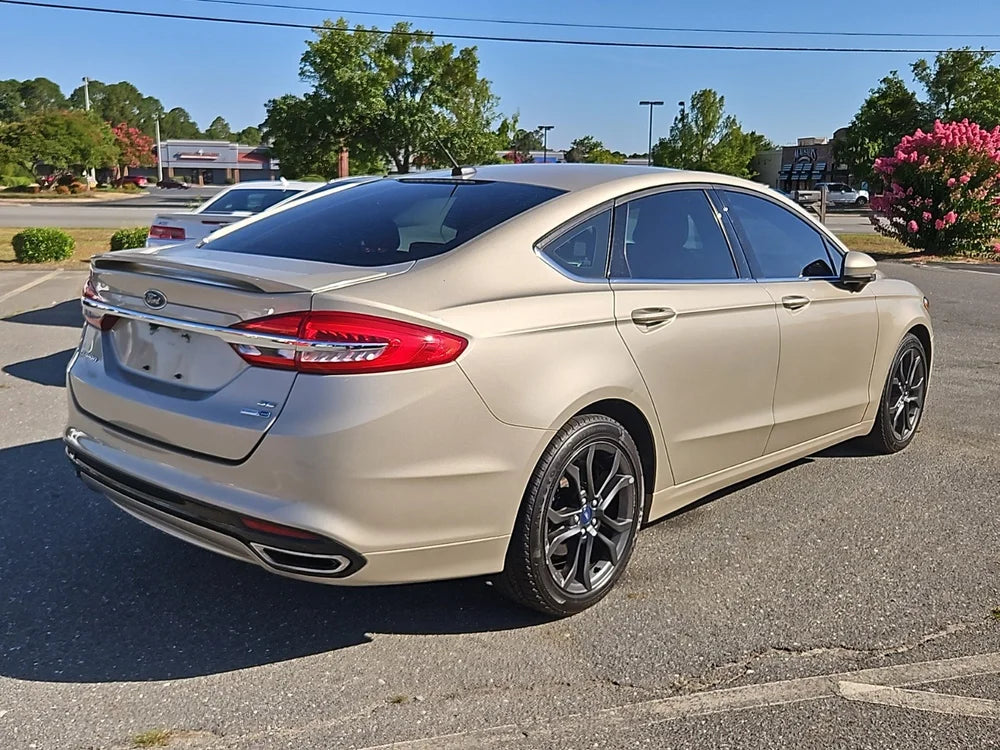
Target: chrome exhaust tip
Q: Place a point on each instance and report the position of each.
(306, 563)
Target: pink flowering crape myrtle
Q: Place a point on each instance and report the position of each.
(942, 190)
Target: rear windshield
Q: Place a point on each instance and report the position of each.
(384, 222)
(248, 199)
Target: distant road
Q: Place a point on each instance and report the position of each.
(849, 224)
(110, 214)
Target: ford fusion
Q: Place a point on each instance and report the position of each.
(499, 371)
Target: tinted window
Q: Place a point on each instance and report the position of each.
(583, 250)
(673, 236)
(384, 222)
(783, 245)
(248, 199)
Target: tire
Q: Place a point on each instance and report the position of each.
(861, 201)
(564, 523)
(901, 405)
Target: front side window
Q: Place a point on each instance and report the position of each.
(583, 250)
(384, 222)
(672, 236)
(781, 244)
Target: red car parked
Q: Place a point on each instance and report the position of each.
(135, 179)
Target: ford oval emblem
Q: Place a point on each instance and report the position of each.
(154, 298)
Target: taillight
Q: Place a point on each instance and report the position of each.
(159, 232)
(341, 342)
(93, 317)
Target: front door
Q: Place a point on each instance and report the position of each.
(703, 334)
(828, 331)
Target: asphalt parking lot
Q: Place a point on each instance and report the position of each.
(845, 601)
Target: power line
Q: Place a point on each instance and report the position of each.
(482, 37)
(601, 26)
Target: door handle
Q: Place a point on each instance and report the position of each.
(651, 316)
(795, 301)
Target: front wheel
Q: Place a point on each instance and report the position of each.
(902, 403)
(576, 528)
(861, 201)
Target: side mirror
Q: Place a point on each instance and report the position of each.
(859, 268)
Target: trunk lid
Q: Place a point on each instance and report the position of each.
(169, 375)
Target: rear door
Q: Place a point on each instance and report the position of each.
(703, 334)
(828, 331)
(165, 370)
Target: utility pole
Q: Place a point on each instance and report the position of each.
(545, 140)
(159, 152)
(86, 107)
(649, 148)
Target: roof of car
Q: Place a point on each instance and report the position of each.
(577, 177)
(276, 185)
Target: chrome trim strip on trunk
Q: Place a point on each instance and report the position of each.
(229, 335)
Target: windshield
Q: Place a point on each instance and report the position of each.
(384, 222)
(252, 200)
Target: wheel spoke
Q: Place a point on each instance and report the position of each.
(614, 470)
(561, 517)
(591, 489)
(619, 526)
(569, 574)
(623, 481)
(612, 548)
(573, 471)
(559, 539)
(588, 549)
(914, 363)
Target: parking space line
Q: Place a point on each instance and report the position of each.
(919, 700)
(29, 285)
(742, 698)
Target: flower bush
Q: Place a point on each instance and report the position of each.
(942, 190)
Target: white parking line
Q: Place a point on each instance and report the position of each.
(920, 700)
(29, 285)
(740, 699)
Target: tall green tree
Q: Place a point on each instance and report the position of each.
(60, 140)
(706, 138)
(119, 102)
(249, 136)
(890, 112)
(19, 99)
(219, 130)
(522, 142)
(177, 123)
(398, 95)
(592, 151)
(961, 84)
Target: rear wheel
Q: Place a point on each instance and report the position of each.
(578, 521)
(902, 403)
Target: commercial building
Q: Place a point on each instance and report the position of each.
(204, 162)
(809, 161)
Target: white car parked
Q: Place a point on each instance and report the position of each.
(838, 194)
(232, 204)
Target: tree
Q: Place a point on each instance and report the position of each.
(605, 156)
(19, 99)
(942, 190)
(522, 143)
(890, 112)
(135, 148)
(60, 140)
(397, 95)
(249, 136)
(962, 84)
(177, 123)
(219, 130)
(119, 102)
(580, 148)
(706, 138)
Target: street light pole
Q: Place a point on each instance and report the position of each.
(159, 152)
(86, 108)
(545, 141)
(649, 147)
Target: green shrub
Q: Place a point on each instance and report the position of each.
(11, 180)
(62, 190)
(124, 239)
(42, 244)
(129, 187)
(312, 178)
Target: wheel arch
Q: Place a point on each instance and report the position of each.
(923, 333)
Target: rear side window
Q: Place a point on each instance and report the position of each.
(781, 245)
(583, 250)
(385, 222)
(672, 236)
(247, 199)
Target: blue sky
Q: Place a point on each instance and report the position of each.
(213, 69)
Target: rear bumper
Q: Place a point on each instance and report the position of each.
(404, 488)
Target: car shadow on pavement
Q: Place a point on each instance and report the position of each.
(89, 594)
(62, 314)
(47, 370)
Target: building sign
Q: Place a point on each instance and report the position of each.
(806, 154)
(198, 155)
